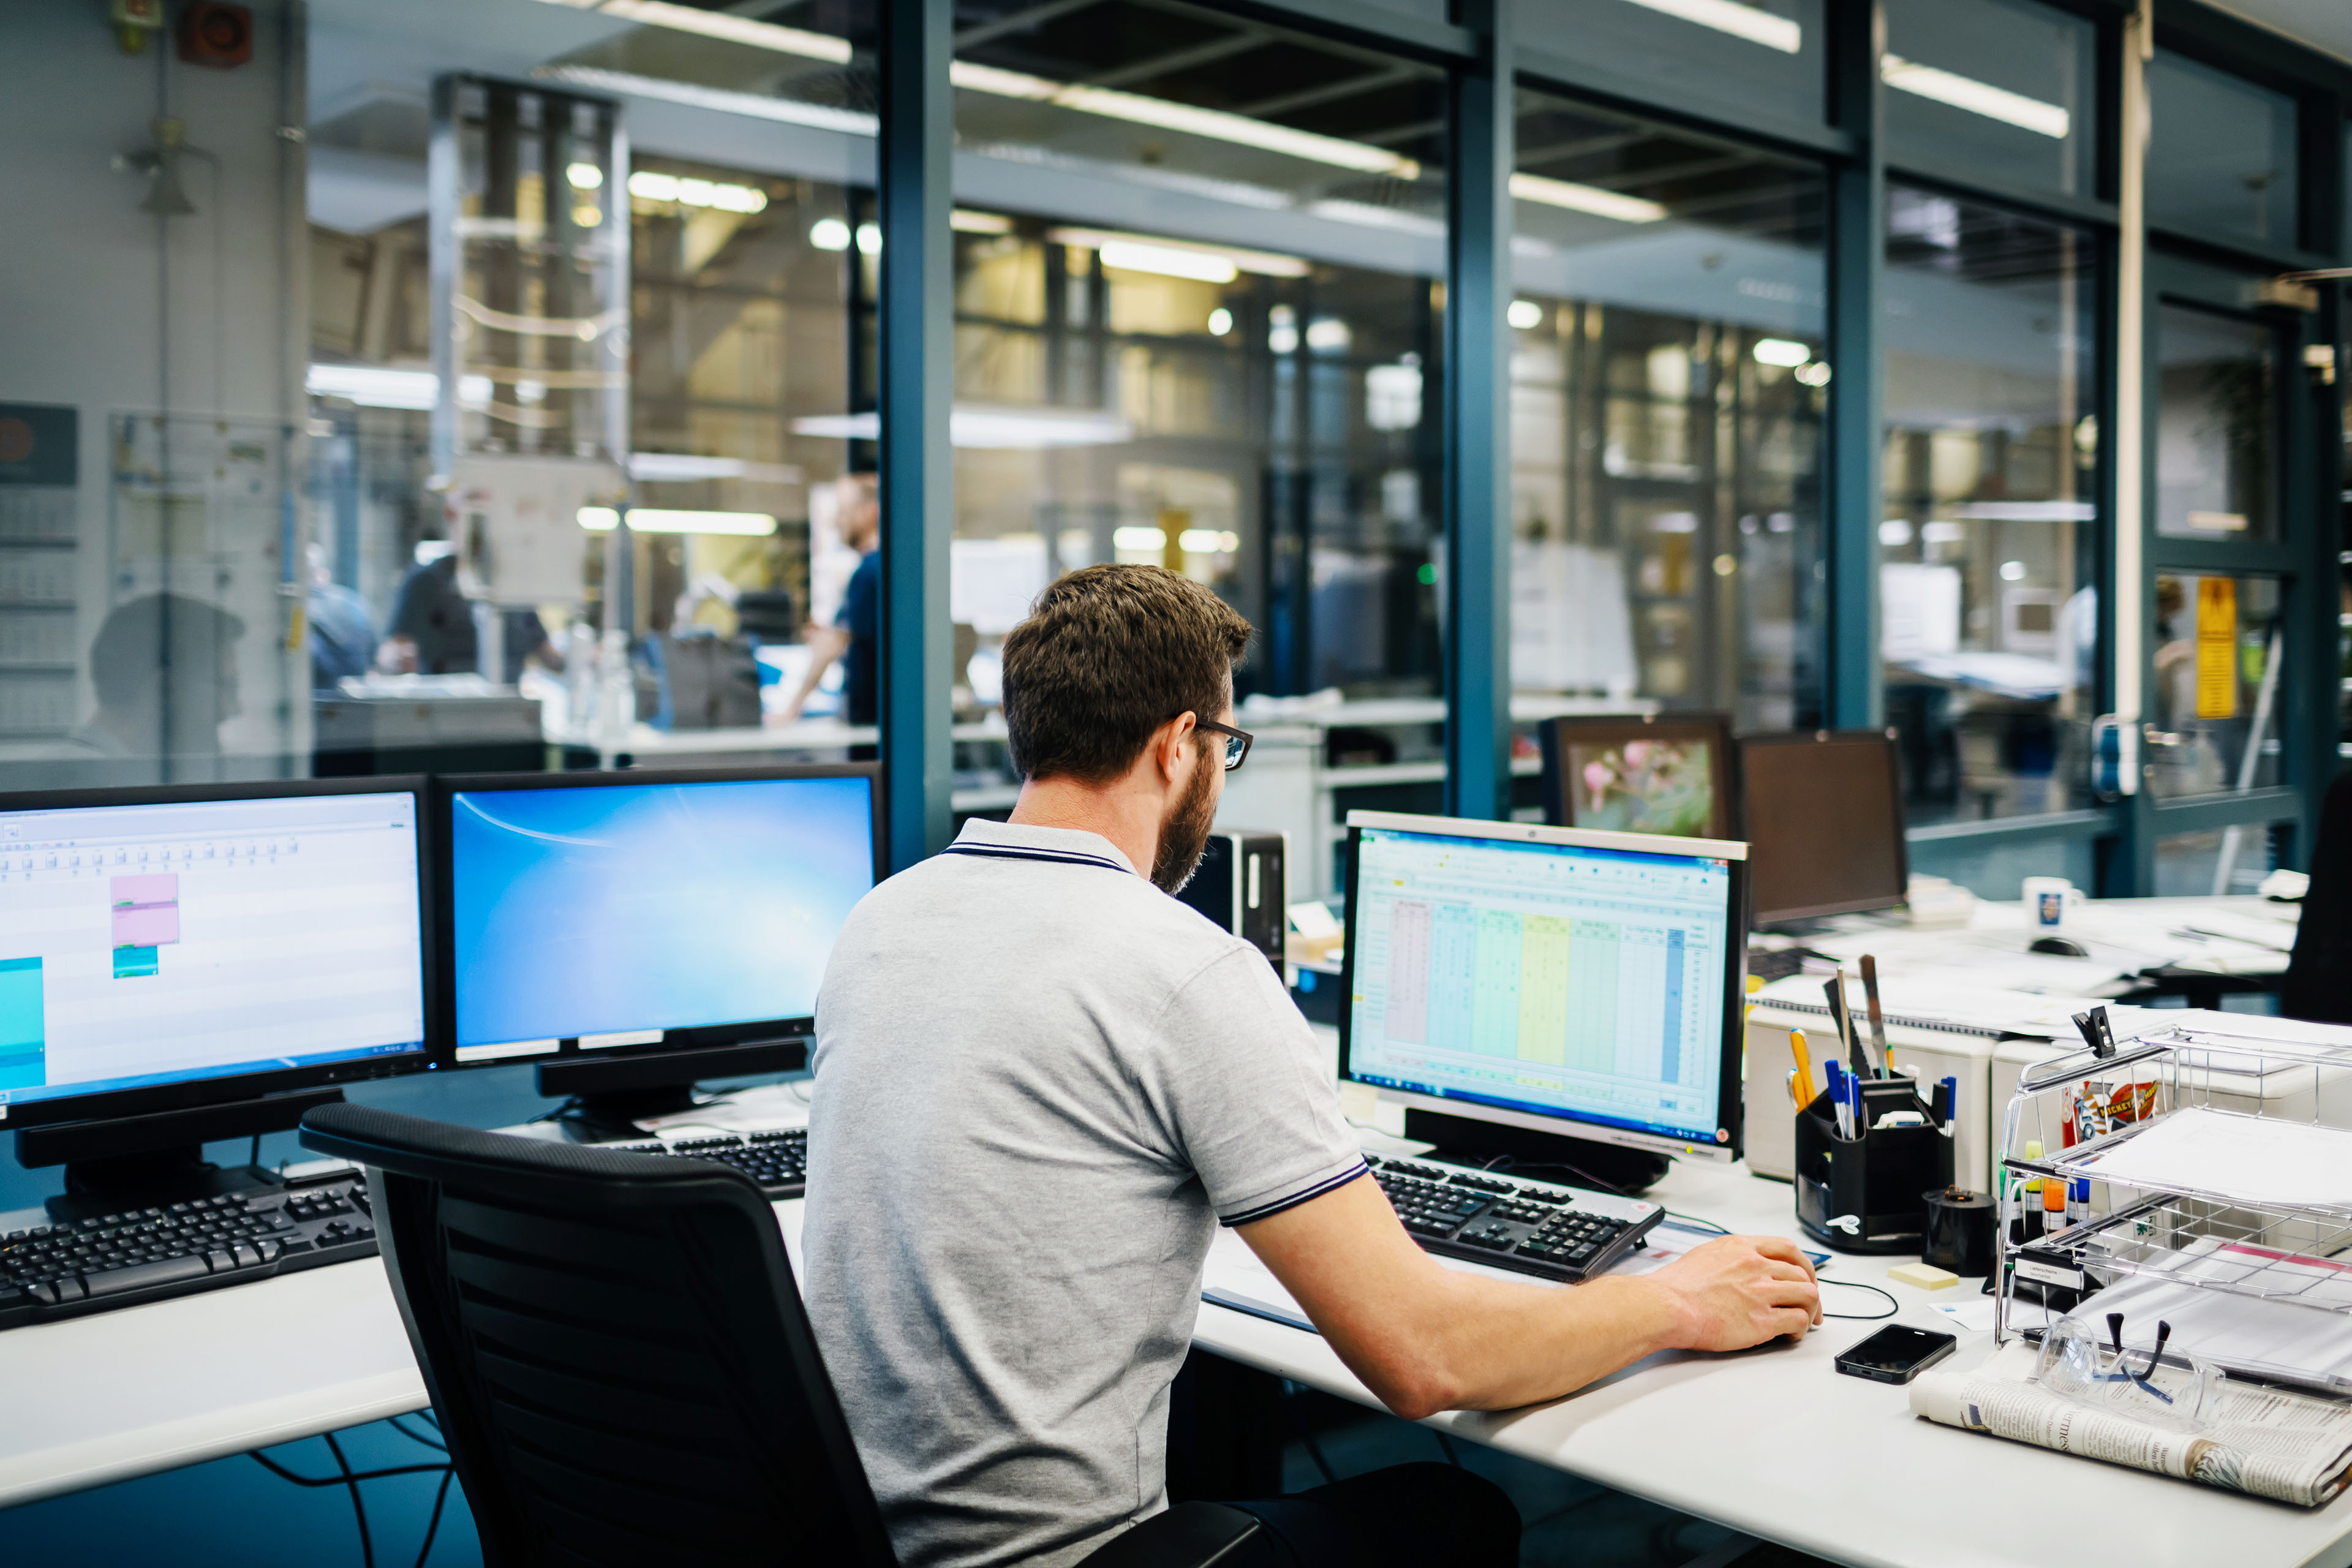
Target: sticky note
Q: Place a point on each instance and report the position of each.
(1923, 1275)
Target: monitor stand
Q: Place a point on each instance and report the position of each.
(612, 1094)
(1546, 1156)
(148, 1162)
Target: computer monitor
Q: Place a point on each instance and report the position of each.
(1546, 991)
(632, 933)
(1823, 811)
(1669, 775)
(181, 964)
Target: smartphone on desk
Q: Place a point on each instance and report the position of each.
(1895, 1355)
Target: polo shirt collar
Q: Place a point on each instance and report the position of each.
(1023, 841)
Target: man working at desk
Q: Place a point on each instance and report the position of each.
(1041, 1083)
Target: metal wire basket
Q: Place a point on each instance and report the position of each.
(2178, 1251)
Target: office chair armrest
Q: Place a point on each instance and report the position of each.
(1190, 1535)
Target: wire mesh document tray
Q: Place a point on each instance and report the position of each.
(2208, 1168)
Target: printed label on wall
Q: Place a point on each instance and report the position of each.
(2217, 647)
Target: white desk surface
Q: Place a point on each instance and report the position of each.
(1772, 1442)
(2124, 936)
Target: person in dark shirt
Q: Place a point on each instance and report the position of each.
(433, 633)
(342, 634)
(856, 635)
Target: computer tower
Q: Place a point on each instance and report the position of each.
(1239, 886)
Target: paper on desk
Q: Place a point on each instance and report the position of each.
(1929, 1003)
(1974, 1314)
(2247, 1331)
(2255, 1159)
(1235, 1277)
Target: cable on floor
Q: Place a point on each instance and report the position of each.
(1453, 1456)
(350, 1480)
(432, 1525)
(1306, 1437)
(433, 1443)
(359, 1509)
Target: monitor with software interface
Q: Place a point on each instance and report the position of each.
(1568, 982)
(1823, 810)
(173, 948)
(598, 918)
(1669, 775)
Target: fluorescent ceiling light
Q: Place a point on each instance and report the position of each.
(757, 105)
(671, 468)
(1138, 538)
(1209, 541)
(1524, 314)
(977, 425)
(2029, 511)
(1749, 22)
(1976, 97)
(1107, 101)
(374, 386)
(719, 25)
(1590, 199)
(654, 187)
(1786, 352)
(1168, 262)
(655, 520)
(584, 176)
(1259, 262)
(1214, 123)
(829, 234)
(965, 221)
(1370, 216)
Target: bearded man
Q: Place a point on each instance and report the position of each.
(1042, 1084)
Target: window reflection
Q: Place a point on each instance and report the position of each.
(2217, 668)
(1988, 624)
(1668, 395)
(2214, 417)
(2221, 154)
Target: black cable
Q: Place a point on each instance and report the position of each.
(1447, 1443)
(1707, 1225)
(253, 1157)
(1892, 1306)
(283, 1474)
(432, 1525)
(359, 1509)
(431, 1418)
(433, 1442)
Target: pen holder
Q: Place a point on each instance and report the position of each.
(1872, 1183)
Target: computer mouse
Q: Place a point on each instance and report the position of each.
(2064, 947)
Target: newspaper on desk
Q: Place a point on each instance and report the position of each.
(2262, 1441)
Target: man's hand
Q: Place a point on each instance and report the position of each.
(1740, 1290)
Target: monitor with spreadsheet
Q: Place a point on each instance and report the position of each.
(638, 912)
(169, 947)
(1565, 981)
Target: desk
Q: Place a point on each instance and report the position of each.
(1771, 1443)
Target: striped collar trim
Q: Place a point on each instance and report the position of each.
(1051, 856)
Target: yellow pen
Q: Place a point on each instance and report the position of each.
(1804, 1067)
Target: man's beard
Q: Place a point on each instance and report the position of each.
(1184, 836)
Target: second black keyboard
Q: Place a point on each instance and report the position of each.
(777, 1159)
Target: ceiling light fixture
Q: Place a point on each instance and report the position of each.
(1786, 352)
(1976, 97)
(1524, 314)
(757, 105)
(1590, 199)
(965, 221)
(1129, 256)
(829, 234)
(656, 520)
(719, 25)
(1263, 263)
(374, 386)
(1750, 22)
(980, 426)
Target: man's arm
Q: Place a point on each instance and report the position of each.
(825, 644)
(1426, 1338)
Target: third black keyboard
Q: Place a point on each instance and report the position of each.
(777, 1159)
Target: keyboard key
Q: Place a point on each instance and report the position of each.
(139, 1275)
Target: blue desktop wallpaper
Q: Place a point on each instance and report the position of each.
(596, 909)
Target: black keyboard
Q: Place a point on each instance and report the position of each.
(776, 1159)
(1542, 1228)
(73, 1266)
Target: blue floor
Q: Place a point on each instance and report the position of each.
(232, 1514)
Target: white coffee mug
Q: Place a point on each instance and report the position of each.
(2047, 900)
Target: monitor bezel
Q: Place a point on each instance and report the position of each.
(227, 1088)
(448, 786)
(1729, 1082)
(1884, 738)
(1555, 734)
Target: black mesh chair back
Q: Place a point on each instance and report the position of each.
(2318, 983)
(615, 1347)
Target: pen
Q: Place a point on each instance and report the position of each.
(1950, 1088)
(1837, 1097)
(1804, 1067)
(1877, 1018)
(1849, 1041)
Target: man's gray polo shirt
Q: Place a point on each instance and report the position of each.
(1041, 1083)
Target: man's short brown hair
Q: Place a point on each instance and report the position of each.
(1107, 655)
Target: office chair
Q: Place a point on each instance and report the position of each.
(616, 1348)
(2317, 987)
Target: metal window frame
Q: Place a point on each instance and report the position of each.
(1485, 63)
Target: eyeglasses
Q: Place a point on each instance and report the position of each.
(1237, 742)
